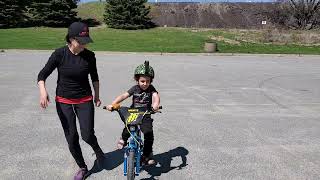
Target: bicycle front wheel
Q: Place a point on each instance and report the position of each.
(131, 161)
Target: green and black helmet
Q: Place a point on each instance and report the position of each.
(144, 69)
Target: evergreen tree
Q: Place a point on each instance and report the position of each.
(12, 13)
(127, 14)
(53, 13)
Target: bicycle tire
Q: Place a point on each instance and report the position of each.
(130, 167)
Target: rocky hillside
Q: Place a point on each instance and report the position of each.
(215, 15)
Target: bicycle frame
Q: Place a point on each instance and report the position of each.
(133, 117)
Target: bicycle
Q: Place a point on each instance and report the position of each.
(133, 117)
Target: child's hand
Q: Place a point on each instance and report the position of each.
(155, 108)
(110, 107)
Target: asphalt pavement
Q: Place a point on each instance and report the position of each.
(224, 117)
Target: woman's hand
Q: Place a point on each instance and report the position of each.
(97, 101)
(44, 99)
(96, 93)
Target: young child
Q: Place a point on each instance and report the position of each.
(143, 95)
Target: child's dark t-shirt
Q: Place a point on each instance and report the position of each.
(140, 97)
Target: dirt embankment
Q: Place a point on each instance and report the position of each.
(213, 15)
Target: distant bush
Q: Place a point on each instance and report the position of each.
(53, 13)
(24, 13)
(296, 14)
(127, 14)
(12, 13)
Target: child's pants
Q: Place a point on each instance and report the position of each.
(147, 130)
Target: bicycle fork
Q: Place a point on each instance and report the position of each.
(132, 146)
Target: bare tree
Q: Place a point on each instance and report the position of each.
(305, 13)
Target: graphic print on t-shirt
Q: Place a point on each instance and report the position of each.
(141, 100)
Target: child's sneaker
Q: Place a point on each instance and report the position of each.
(80, 175)
(120, 144)
(148, 161)
(151, 162)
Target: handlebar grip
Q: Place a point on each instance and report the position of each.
(105, 107)
(114, 107)
(153, 111)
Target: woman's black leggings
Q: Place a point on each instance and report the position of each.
(85, 113)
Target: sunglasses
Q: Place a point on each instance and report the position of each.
(79, 42)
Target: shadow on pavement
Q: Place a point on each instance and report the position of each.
(164, 162)
(113, 159)
(109, 161)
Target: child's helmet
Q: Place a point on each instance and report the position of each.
(144, 69)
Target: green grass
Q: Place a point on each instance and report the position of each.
(171, 40)
(32, 38)
(154, 40)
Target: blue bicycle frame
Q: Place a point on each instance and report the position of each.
(132, 117)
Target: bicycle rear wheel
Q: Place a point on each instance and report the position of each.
(131, 161)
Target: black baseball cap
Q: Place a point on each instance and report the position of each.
(80, 32)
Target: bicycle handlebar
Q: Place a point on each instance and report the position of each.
(117, 106)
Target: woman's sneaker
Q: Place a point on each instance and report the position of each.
(80, 175)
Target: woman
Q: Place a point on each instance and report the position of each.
(73, 93)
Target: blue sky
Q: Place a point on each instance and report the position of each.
(83, 1)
